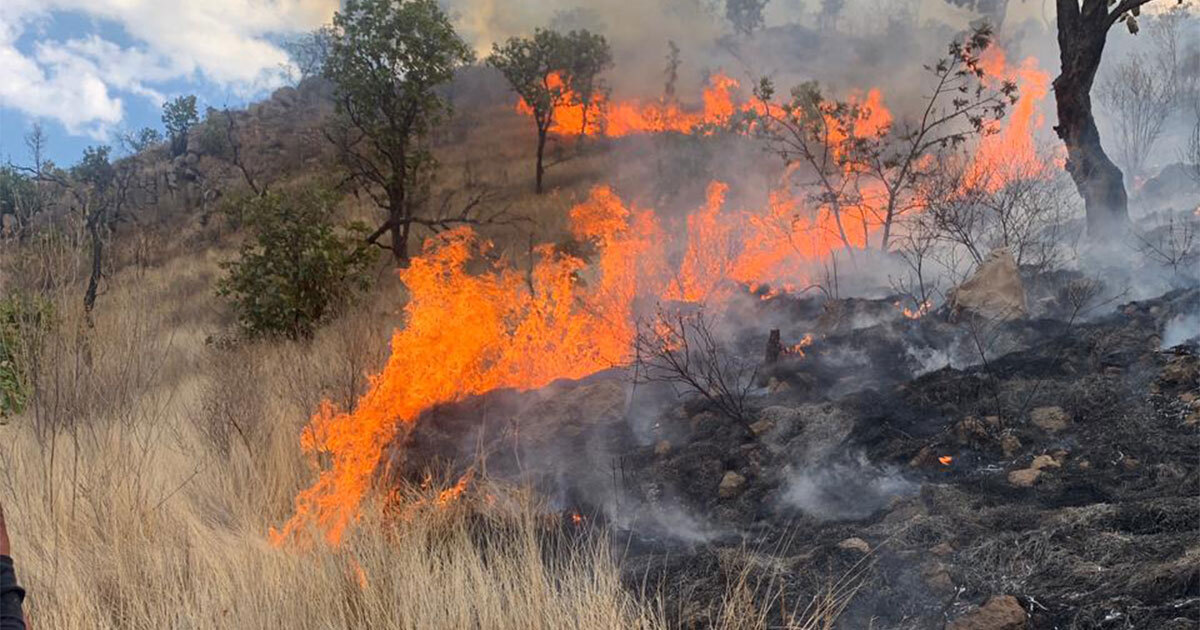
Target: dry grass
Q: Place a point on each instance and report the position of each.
(141, 482)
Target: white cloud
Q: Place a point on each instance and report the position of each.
(80, 81)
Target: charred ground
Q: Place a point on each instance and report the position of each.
(1061, 469)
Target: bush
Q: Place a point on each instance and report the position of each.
(23, 324)
(299, 269)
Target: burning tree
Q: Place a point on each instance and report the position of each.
(386, 59)
(864, 163)
(551, 70)
(1082, 32)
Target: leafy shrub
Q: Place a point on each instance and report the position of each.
(23, 324)
(298, 269)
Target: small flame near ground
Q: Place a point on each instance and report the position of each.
(946, 460)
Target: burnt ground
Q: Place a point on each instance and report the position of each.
(1072, 481)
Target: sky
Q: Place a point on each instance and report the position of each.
(88, 70)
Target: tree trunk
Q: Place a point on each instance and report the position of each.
(1081, 38)
(399, 227)
(541, 170)
(89, 296)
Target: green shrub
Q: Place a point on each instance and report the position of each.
(23, 324)
(298, 269)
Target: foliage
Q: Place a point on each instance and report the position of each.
(23, 322)
(141, 140)
(529, 63)
(746, 16)
(17, 193)
(386, 59)
(298, 270)
(178, 116)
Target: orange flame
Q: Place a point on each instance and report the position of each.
(946, 460)
(469, 333)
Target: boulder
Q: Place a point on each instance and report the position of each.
(731, 485)
(999, 613)
(1024, 478)
(1050, 419)
(994, 291)
(855, 544)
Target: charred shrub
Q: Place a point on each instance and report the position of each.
(683, 349)
(298, 269)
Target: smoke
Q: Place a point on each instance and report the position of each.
(1181, 329)
(849, 490)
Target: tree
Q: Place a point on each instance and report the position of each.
(1139, 99)
(92, 185)
(386, 59)
(551, 70)
(310, 51)
(588, 57)
(178, 116)
(1082, 32)
(143, 139)
(297, 270)
(746, 16)
(220, 137)
(18, 198)
(851, 150)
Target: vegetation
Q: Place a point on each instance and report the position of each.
(386, 59)
(550, 70)
(179, 115)
(23, 322)
(298, 270)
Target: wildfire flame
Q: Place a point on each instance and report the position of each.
(469, 333)
(946, 460)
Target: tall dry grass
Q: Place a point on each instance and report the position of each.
(141, 481)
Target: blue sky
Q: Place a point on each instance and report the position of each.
(90, 69)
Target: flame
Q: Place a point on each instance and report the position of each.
(467, 334)
(502, 327)
(798, 349)
(922, 310)
(946, 460)
(625, 118)
(1008, 152)
(576, 518)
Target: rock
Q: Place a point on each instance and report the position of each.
(999, 613)
(731, 485)
(1051, 419)
(1042, 462)
(662, 448)
(970, 431)
(776, 386)
(994, 291)
(1010, 445)
(762, 426)
(925, 457)
(1024, 478)
(855, 544)
(942, 549)
(937, 577)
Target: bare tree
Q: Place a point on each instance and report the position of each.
(683, 350)
(1139, 96)
(828, 136)
(981, 211)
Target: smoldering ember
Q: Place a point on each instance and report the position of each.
(655, 314)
